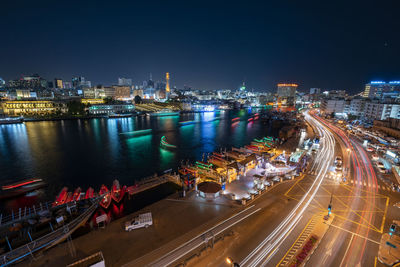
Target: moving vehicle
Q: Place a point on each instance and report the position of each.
(143, 220)
(382, 170)
(380, 164)
(370, 149)
(375, 157)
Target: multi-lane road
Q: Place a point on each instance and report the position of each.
(267, 230)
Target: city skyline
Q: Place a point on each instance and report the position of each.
(206, 47)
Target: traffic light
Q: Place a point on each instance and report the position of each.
(392, 229)
(329, 209)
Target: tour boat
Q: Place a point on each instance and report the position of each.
(164, 144)
(89, 193)
(20, 187)
(62, 197)
(106, 201)
(165, 112)
(77, 194)
(117, 193)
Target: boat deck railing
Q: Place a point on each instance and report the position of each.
(48, 240)
(24, 213)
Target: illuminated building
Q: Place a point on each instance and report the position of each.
(22, 93)
(167, 89)
(27, 108)
(329, 106)
(111, 109)
(377, 89)
(286, 94)
(58, 83)
(92, 101)
(122, 92)
(28, 82)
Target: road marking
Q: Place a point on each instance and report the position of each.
(347, 249)
(358, 235)
(298, 244)
(384, 215)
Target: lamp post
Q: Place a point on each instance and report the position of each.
(231, 262)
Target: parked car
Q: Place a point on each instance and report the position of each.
(375, 157)
(380, 164)
(370, 149)
(338, 160)
(143, 220)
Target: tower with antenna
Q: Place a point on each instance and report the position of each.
(167, 89)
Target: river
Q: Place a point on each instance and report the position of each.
(92, 152)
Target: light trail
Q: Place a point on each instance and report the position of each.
(260, 255)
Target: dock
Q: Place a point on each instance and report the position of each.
(49, 240)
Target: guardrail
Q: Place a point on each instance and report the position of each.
(48, 240)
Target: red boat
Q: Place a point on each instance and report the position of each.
(77, 194)
(62, 197)
(218, 155)
(117, 193)
(250, 119)
(106, 201)
(89, 193)
(70, 197)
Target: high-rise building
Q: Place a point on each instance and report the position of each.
(124, 82)
(167, 88)
(58, 83)
(377, 89)
(80, 82)
(286, 94)
(28, 82)
(122, 92)
(2, 83)
(315, 91)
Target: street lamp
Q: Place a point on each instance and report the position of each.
(231, 262)
(348, 150)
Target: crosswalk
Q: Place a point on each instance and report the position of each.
(373, 186)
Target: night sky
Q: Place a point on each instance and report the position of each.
(207, 45)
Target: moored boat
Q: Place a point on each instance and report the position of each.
(89, 193)
(117, 193)
(77, 194)
(62, 197)
(106, 201)
(165, 112)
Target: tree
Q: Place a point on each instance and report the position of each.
(76, 108)
(138, 100)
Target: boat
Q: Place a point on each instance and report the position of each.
(89, 193)
(50, 239)
(117, 116)
(183, 123)
(139, 132)
(164, 144)
(77, 194)
(165, 112)
(11, 120)
(106, 200)
(62, 197)
(117, 193)
(70, 197)
(20, 187)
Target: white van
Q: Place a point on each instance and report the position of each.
(143, 220)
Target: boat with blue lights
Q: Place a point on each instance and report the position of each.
(164, 112)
